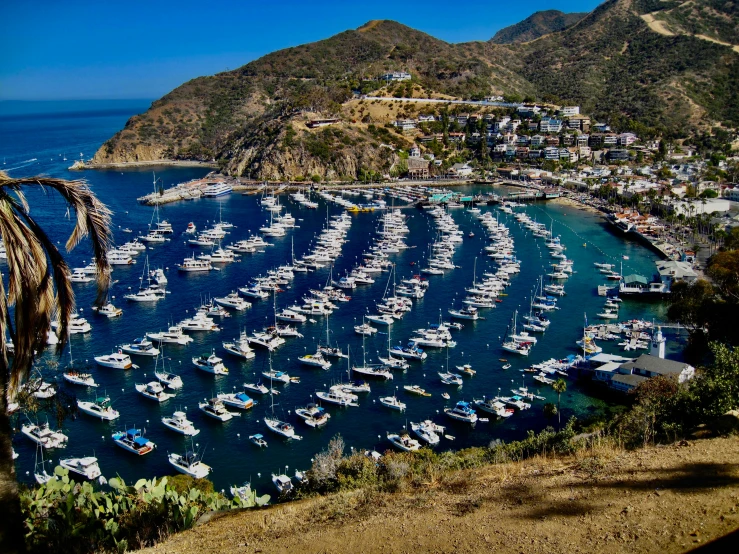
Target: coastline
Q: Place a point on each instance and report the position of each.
(119, 165)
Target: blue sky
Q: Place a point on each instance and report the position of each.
(67, 49)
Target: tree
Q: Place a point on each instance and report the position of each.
(550, 410)
(559, 386)
(39, 289)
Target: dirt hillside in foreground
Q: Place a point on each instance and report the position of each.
(662, 499)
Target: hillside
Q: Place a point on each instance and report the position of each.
(252, 120)
(666, 499)
(537, 25)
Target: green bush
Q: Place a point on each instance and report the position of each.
(64, 516)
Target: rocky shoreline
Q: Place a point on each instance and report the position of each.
(80, 166)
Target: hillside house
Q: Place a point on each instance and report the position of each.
(315, 123)
(550, 125)
(394, 76)
(537, 140)
(405, 125)
(569, 111)
(460, 170)
(418, 168)
(551, 153)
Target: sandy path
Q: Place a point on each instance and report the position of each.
(667, 499)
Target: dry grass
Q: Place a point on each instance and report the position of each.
(665, 499)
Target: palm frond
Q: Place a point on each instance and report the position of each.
(38, 278)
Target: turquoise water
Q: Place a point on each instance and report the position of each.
(225, 446)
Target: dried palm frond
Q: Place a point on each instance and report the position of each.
(38, 277)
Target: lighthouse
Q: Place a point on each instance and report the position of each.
(658, 344)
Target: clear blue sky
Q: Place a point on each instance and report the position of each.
(69, 49)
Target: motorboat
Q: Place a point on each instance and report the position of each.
(109, 311)
(86, 467)
(466, 368)
(215, 408)
(427, 431)
(462, 412)
(410, 352)
(43, 435)
(190, 265)
(101, 408)
(77, 325)
(116, 360)
(338, 397)
(279, 376)
(190, 464)
(290, 316)
(493, 406)
(153, 390)
(133, 441)
(240, 347)
(314, 416)
(372, 371)
(382, 319)
(258, 440)
(79, 276)
(393, 403)
(210, 364)
(283, 483)
(199, 322)
(315, 360)
(236, 400)
(82, 379)
(140, 347)
(404, 442)
(394, 363)
(416, 389)
(468, 312)
(173, 335)
(233, 301)
(179, 423)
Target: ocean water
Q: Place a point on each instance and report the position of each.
(37, 143)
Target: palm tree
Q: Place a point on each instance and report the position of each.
(559, 386)
(39, 289)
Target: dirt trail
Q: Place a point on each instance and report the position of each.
(666, 499)
(656, 25)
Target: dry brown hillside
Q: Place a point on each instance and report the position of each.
(661, 499)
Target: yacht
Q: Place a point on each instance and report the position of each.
(493, 406)
(240, 347)
(215, 409)
(84, 467)
(153, 390)
(404, 442)
(109, 310)
(179, 423)
(189, 464)
(315, 360)
(173, 335)
(236, 400)
(133, 441)
(468, 312)
(77, 325)
(365, 329)
(393, 403)
(82, 379)
(216, 189)
(171, 380)
(99, 408)
(116, 360)
(43, 435)
(194, 265)
(462, 412)
(427, 431)
(314, 416)
(416, 389)
(116, 257)
(338, 397)
(290, 316)
(233, 301)
(210, 364)
(79, 276)
(140, 347)
(410, 352)
(372, 371)
(281, 427)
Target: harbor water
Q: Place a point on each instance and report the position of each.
(33, 144)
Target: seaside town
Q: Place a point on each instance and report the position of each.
(382, 292)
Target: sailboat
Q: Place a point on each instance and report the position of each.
(276, 425)
(390, 361)
(371, 371)
(41, 475)
(326, 349)
(514, 344)
(148, 294)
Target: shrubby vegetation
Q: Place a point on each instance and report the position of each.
(64, 516)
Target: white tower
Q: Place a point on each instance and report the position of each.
(658, 344)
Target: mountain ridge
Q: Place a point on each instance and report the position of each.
(252, 119)
(536, 25)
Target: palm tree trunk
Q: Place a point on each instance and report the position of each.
(12, 536)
